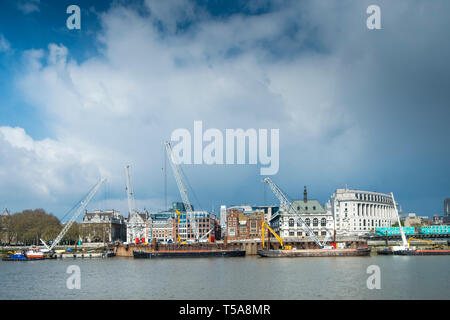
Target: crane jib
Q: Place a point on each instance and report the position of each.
(83, 205)
(286, 204)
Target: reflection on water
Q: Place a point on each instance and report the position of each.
(229, 278)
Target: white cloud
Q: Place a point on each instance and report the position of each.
(28, 6)
(250, 72)
(4, 44)
(120, 107)
(45, 171)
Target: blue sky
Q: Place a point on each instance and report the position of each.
(364, 108)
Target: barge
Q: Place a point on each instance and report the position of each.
(139, 254)
(414, 252)
(83, 255)
(314, 253)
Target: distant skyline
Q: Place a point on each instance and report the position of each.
(366, 108)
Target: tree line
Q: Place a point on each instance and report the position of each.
(28, 226)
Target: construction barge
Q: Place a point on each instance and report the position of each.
(314, 253)
(414, 252)
(139, 254)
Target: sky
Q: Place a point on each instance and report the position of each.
(364, 108)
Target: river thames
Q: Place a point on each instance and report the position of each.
(229, 278)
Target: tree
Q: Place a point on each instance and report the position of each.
(28, 226)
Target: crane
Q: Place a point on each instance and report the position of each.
(183, 192)
(83, 205)
(286, 205)
(405, 245)
(136, 231)
(178, 226)
(435, 245)
(130, 194)
(265, 225)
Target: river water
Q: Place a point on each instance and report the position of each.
(229, 278)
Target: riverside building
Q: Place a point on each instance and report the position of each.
(242, 225)
(103, 226)
(162, 227)
(137, 227)
(447, 211)
(289, 225)
(357, 212)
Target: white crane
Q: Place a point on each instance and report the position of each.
(83, 205)
(183, 191)
(130, 194)
(285, 204)
(135, 230)
(405, 245)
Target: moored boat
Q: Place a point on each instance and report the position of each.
(414, 252)
(34, 253)
(314, 253)
(188, 254)
(22, 256)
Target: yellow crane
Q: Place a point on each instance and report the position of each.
(426, 241)
(265, 225)
(178, 227)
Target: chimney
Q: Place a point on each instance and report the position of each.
(305, 195)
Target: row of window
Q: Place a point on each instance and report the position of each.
(300, 234)
(372, 197)
(323, 222)
(306, 208)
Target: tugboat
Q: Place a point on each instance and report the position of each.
(29, 255)
(14, 256)
(34, 253)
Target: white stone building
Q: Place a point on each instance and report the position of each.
(137, 227)
(223, 219)
(288, 225)
(357, 212)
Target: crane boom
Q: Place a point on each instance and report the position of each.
(405, 243)
(183, 190)
(286, 205)
(130, 194)
(264, 224)
(83, 205)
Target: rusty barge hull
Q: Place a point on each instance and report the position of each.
(314, 253)
(188, 254)
(415, 252)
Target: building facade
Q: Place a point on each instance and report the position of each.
(103, 226)
(223, 220)
(241, 225)
(447, 207)
(162, 227)
(205, 224)
(137, 227)
(412, 220)
(313, 214)
(357, 212)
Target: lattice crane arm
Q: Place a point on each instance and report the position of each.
(83, 205)
(182, 189)
(286, 204)
(130, 193)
